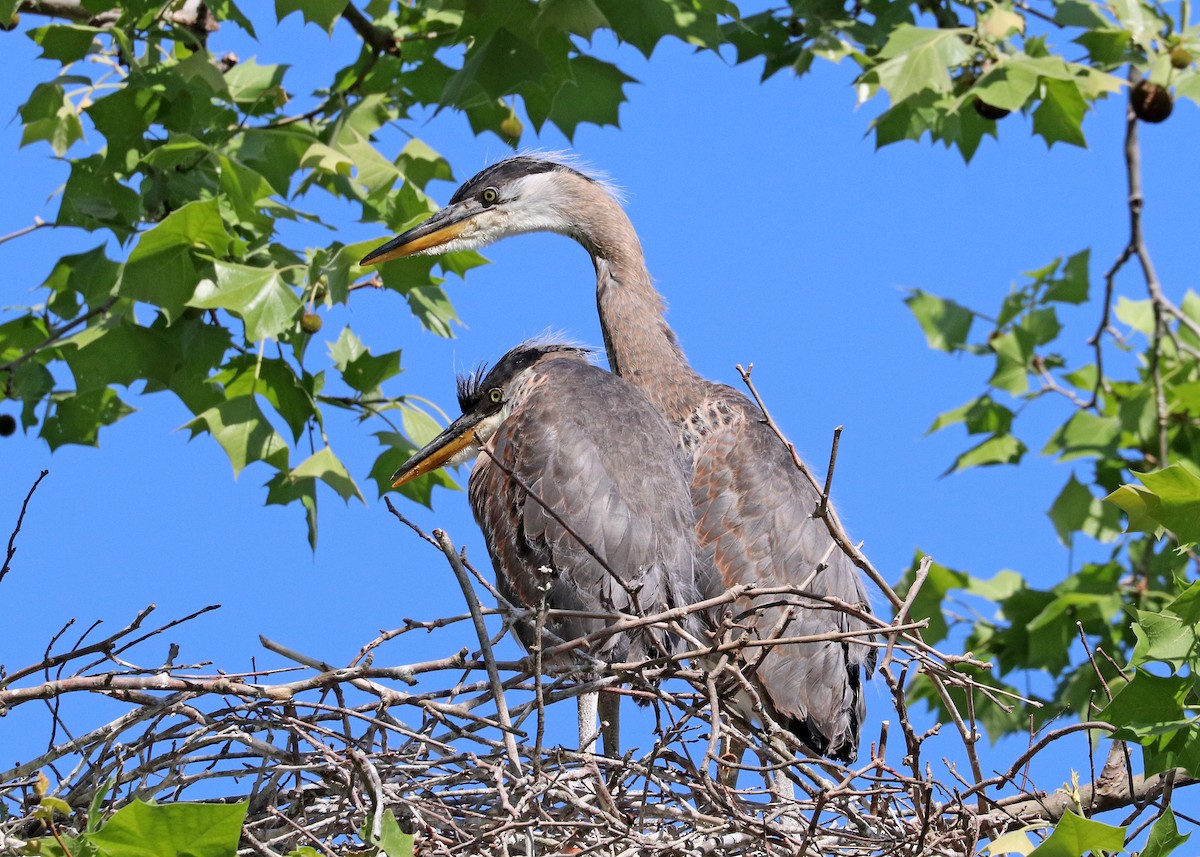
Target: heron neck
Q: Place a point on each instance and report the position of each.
(641, 347)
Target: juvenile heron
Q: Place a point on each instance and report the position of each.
(753, 508)
(577, 473)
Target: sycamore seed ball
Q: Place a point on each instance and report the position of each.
(1181, 58)
(990, 111)
(511, 128)
(310, 322)
(1151, 102)
(7, 425)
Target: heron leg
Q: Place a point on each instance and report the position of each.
(587, 722)
(733, 747)
(609, 705)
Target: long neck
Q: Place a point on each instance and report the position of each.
(641, 347)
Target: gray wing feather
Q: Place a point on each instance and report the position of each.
(754, 512)
(593, 449)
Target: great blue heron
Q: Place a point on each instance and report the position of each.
(754, 510)
(576, 473)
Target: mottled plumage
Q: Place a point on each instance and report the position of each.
(753, 508)
(594, 450)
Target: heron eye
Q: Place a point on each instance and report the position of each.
(488, 196)
(495, 395)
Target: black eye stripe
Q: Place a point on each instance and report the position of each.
(506, 171)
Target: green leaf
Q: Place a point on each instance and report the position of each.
(1009, 85)
(260, 296)
(66, 43)
(161, 269)
(256, 89)
(392, 841)
(1137, 314)
(981, 416)
(240, 426)
(93, 198)
(51, 116)
(1059, 118)
(433, 309)
(946, 324)
(327, 159)
(172, 830)
(360, 369)
(1042, 325)
(580, 17)
(1106, 46)
(915, 58)
(594, 94)
(1085, 435)
(275, 379)
(91, 275)
(1170, 499)
(645, 23)
(1014, 355)
(95, 815)
(1164, 836)
(1148, 705)
(1013, 842)
(79, 418)
(283, 491)
(1075, 836)
(1076, 509)
(1072, 287)
(122, 355)
(1001, 449)
(1165, 638)
(323, 13)
(325, 466)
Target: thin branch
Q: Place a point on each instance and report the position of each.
(12, 539)
(37, 224)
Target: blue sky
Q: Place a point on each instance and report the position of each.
(779, 237)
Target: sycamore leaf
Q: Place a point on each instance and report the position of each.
(240, 426)
(161, 269)
(1170, 499)
(392, 841)
(1075, 836)
(1013, 842)
(172, 830)
(915, 58)
(1001, 449)
(326, 466)
(323, 13)
(945, 323)
(259, 296)
(79, 418)
(1166, 638)
(1164, 836)
(283, 491)
(1059, 118)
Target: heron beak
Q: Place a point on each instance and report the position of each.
(441, 228)
(457, 436)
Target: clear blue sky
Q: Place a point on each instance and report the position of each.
(779, 237)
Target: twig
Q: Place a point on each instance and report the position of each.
(823, 507)
(12, 539)
(38, 223)
(832, 522)
(485, 646)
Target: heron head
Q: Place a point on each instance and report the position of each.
(487, 398)
(519, 194)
